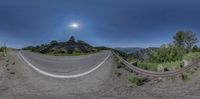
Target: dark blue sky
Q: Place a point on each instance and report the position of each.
(112, 23)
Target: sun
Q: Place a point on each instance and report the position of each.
(74, 25)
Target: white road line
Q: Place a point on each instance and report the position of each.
(63, 76)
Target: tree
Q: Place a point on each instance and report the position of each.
(179, 39)
(186, 40)
(195, 48)
(190, 40)
(183, 42)
(167, 53)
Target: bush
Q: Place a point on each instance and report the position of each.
(128, 69)
(185, 77)
(138, 81)
(190, 56)
(119, 66)
(118, 74)
(175, 65)
(167, 53)
(2, 49)
(148, 66)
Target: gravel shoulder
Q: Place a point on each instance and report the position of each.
(21, 82)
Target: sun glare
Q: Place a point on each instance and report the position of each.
(74, 25)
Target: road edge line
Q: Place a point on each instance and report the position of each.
(63, 76)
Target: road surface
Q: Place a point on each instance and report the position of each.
(65, 66)
(91, 71)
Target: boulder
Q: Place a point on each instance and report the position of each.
(160, 68)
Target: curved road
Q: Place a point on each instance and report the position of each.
(64, 66)
(158, 74)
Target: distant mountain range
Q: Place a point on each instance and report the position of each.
(128, 50)
(78, 46)
(131, 50)
(71, 46)
(138, 53)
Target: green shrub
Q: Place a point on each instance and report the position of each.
(167, 53)
(148, 66)
(169, 65)
(128, 69)
(1, 49)
(173, 54)
(138, 81)
(185, 77)
(13, 63)
(117, 73)
(195, 69)
(190, 56)
(192, 72)
(119, 66)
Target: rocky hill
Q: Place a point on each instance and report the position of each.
(71, 46)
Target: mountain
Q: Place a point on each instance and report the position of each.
(142, 54)
(103, 48)
(136, 52)
(128, 50)
(71, 46)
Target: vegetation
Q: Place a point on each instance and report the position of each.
(137, 81)
(167, 53)
(185, 40)
(3, 49)
(117, 73)
(148, 66)
(119, 65)
(169, 65)
(182, 44)
(170, 56)
(69, 48)
(185, 77)
(191, 56)
(175, 55)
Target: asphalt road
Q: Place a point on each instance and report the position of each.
(26, 82)
(65, 65)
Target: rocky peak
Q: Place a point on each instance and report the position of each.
(71, 40)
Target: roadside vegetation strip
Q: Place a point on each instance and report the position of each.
(158, 74)
(63, 76)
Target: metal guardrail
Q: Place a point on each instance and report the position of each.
(158, 74)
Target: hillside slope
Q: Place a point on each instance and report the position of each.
(70, 47)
